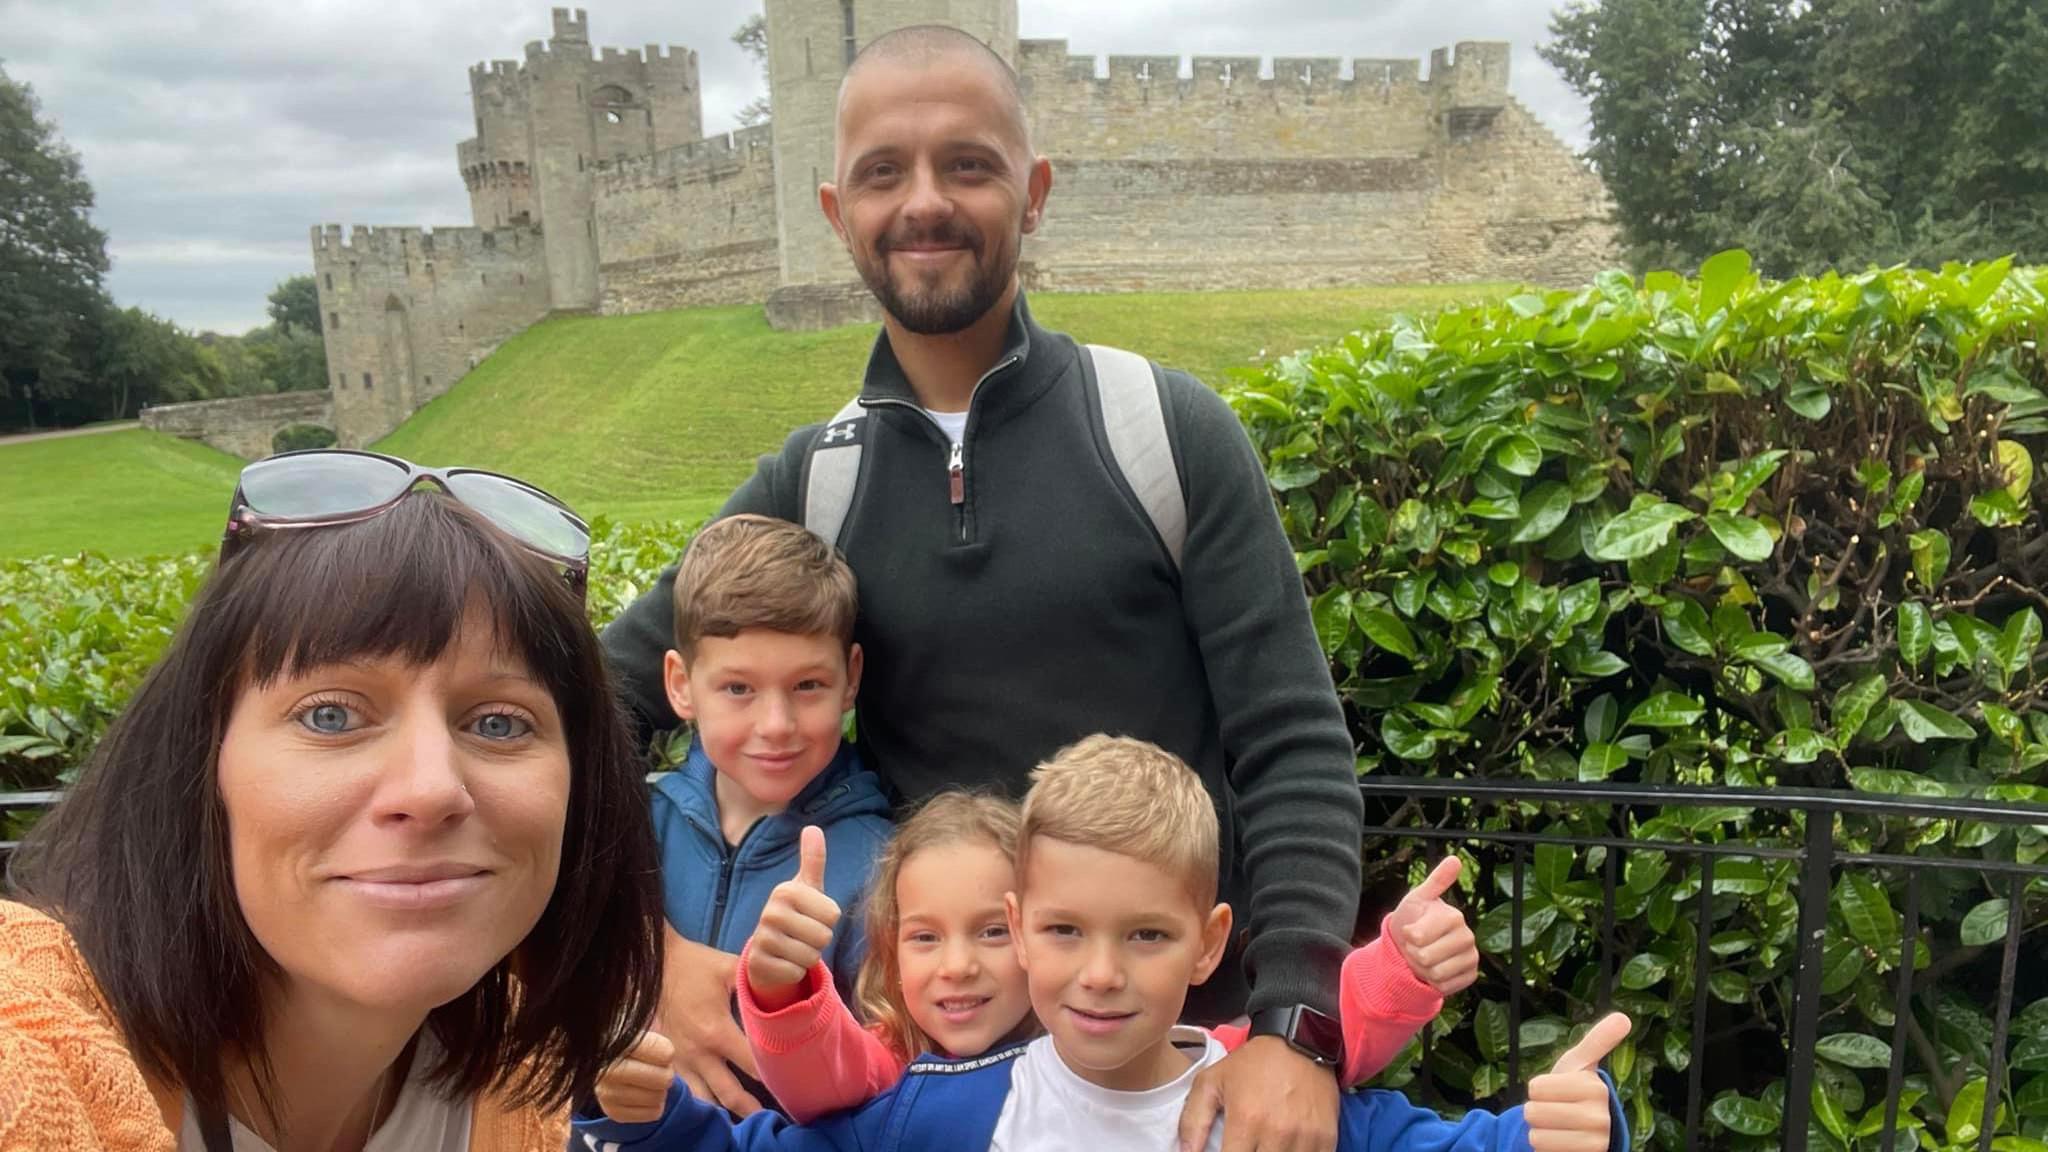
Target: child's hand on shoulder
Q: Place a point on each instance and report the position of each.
(635, 1089)
(1568, 1109)
(795, 929)
(1432, 934)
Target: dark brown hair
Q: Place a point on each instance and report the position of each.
(135, 861)
(757, 572)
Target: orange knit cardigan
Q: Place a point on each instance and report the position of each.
(68, 1082)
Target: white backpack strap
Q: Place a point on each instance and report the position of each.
(1134, 416)
(832, 472)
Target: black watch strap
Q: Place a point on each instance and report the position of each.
(1311, 1033)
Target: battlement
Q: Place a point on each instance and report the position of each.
(1048, 62)
(1472, 75)
(570, 28)
(755, 145)
(387, 243)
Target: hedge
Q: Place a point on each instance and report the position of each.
(1712, 531)
(78, 632)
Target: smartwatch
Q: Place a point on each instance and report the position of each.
(1306, 1030)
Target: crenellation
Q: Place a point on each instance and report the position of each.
(1309, 71)
(570, 27)
(1227, 73)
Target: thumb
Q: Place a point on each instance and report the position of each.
(656, 1049)
(810, 865)
(1594, 1046)
(1441, 880)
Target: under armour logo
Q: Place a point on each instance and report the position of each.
(838, 433)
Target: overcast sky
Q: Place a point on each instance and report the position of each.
(215, 132)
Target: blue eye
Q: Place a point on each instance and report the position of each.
(330, 719)
(500, 726)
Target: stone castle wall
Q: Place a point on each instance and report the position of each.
(407, 311)
(245, 425)
(689, 226)
(592, 187)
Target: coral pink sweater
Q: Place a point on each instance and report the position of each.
(816, 1058)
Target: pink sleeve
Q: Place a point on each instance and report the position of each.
(1381, 1004)
(813, 1055)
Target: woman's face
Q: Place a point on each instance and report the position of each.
(395, 830)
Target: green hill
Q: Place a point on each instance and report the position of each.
(662, 414)
(131, 493)
(635, 417)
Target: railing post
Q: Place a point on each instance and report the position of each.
(1814, 887)
(2008, 967)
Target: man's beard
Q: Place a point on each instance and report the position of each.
(933, 309)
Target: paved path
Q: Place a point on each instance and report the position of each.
(59, 434)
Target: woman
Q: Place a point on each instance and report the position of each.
(364, 865)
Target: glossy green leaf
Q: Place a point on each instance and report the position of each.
(1386, 630)
(1985, 924)
(1921, 722)
(1518, 455)
(1542, 511)
(1666, 710)
(1741, 535)
(1639, 531)
(1854, 1050)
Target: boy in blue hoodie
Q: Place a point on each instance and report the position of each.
(1114, 918)
(764, 668)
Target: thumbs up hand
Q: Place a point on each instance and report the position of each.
(1432, 934)
(795, 929)
(1568, 1106)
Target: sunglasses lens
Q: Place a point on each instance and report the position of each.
(317, 484)
(526, 514)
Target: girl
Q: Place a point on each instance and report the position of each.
(941, 973)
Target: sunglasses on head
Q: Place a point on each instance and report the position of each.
(327, 486)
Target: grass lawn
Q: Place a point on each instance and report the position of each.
(661, 415)
(128, 493)
(637, 417)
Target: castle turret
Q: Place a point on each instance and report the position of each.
(810, 43)
(1471, 87)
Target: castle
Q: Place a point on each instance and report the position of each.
(593, 188)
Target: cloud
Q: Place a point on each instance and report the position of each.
(217, 132)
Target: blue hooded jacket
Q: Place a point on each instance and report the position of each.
(954, 1105)
(713, 893)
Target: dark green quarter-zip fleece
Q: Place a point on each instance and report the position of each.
(1016, 598)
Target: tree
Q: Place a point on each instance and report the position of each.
(752, 37)
(52, 259)
(1816, 133)
(295, 303)
(145, 359)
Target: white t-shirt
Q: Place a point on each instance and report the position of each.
(953, 424)
(422, 1120)
(1050, 1107)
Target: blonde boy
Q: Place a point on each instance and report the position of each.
(1116, 916)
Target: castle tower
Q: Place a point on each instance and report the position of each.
(810, 43)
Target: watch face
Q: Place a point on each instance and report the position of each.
(1319, 1034)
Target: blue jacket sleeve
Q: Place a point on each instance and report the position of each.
(691, 1125)
(1388, 1122)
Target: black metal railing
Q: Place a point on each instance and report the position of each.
(14, 805)
(1809, 816)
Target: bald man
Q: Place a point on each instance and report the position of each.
(1016, 597)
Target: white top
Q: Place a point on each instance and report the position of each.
(953, 424)
(1051, 1107)
(422, 1120)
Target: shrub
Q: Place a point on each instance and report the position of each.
(299, 437)
(1714, 531)
(77, 633)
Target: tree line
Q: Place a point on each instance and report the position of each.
(1816, 133)
(68, 354)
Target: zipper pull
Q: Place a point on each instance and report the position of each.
(956, 477)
